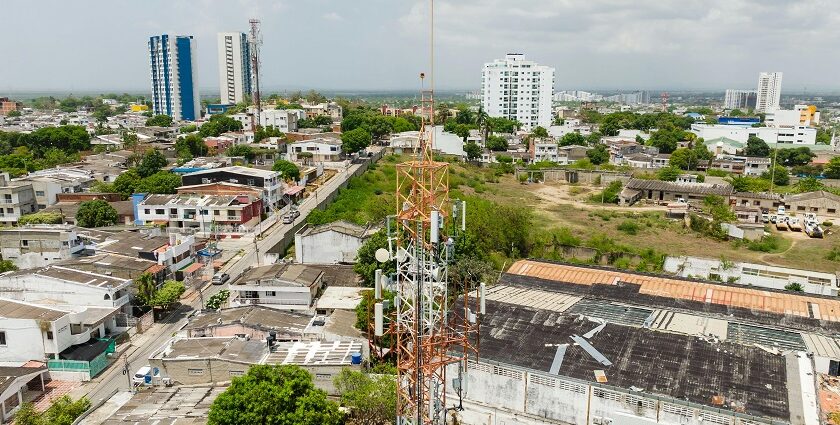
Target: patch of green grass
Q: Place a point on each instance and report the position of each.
(629, 227)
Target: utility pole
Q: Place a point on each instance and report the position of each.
(127, 373)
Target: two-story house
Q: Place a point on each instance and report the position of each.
(223, 213)
(321, 150)
(269, 182)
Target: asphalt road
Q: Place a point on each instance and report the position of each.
(112, 379)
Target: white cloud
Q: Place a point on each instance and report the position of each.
(332, 16)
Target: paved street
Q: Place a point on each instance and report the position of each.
(143, 345)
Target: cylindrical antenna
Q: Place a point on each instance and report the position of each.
(378, 319)
(435, 227)
(377, 284)
(463, 216)
(482, 296)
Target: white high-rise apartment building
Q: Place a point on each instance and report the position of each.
(174, 76)
(234, 67)
(739, 99)
(769, 91)
(518, 89)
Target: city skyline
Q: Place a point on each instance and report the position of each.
(352, 47)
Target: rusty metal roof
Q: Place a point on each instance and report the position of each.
(710, 293)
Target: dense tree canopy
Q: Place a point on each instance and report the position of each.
(219, 124)
(366, 263)
(190, 146)
(573, 138)
(667, 139)
(472, 151)
(376, 124)
(278, 394)
(598, 154)
(684, 158)
(159, 121)
(539, 132)
(832, 169)
(288, 170)
(62, 411)
(372, 399)
(756, 147)
(779, 174)
(496, 143)
(152, 162)
(96, 213)
(242, 150)
(794, 156)
(355, 140)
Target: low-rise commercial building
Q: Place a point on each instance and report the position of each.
(252, 322)
(204, 213)
(173, 252)
(318, 150)
(284, 286)
(797, 135)
(64, 286)
(664, 192)
(39, 245)
(336, 242)
(269, 182)
(689, 351)
(741, 165)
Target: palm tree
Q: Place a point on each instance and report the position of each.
(481, 122)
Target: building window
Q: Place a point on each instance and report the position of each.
(147, 211)
(39, 193)
(3, 338)
(49, 335)
(237, 372)
(195, 372)
(159, 211)
(270, 293)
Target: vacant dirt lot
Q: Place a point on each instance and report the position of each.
(564, 205)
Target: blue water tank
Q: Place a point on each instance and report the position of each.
(356, 358)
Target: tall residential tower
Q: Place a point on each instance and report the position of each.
(769, 91)
(518, 89)
(234, 67)
(174, 76)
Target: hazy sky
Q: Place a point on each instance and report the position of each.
(382, 44)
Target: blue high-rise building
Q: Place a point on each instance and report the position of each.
(173, 71)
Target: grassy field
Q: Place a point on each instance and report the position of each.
(561, 212)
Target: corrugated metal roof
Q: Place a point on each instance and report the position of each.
(743, 297)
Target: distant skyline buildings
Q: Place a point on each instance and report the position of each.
(174, 76)
(518, 89)
(769, 91)
(739, 99)
(234, 67)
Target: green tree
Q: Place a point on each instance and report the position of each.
(288, 170)
(736, 113)
(146, 288)
(683, 158)
(372, 400)
(13, 114)
(188, 128)
(126, 183)
(266, 132)
(62, 411)
(573, 138)
(313, 97)
(7, 266)
(832, 169)
(666, 139)
(539, 132)
(502, 125)
(668, 174)
(598, 155)
(169, 293)
(355, 140)
(40, 218)
(472, 150)
(809, 184)
(756, 147)
(218, 124)
(96, 213)
(366, 263)
(463, 131)
(823, 136)
(594, 138)
(794, 156)
(242, 150)
(159, 121)
(216, 300)
(162, 182)
(190, 146)
(496, 143)
(780, 176)
(152, 162)
(278, 394)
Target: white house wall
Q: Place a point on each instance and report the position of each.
(328, 247)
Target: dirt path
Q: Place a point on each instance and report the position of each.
(561, 195)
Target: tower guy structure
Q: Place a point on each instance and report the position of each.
(430, 333)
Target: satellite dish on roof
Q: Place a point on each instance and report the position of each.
(382, 255)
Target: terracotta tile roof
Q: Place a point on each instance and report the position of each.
(743, 297)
